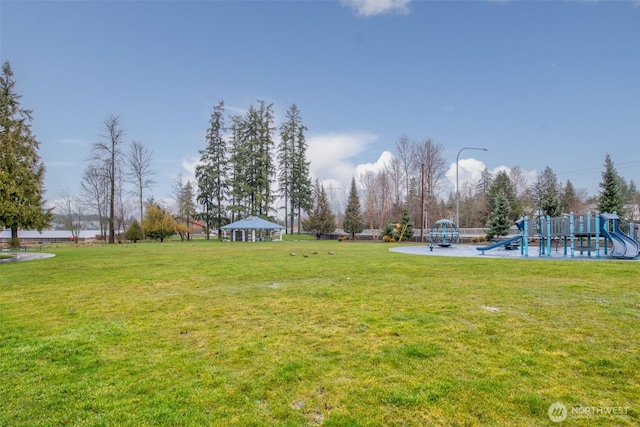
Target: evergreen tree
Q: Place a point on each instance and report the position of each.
(252, 162)
(212, 173)
(485, 182)
(570, 201)
(134, 232)
(405, 227)
(21, 171)
(550, 205)
(321, 219)
(238, 177)
(302, 191)
(502, 184)
(293, 174)
(546, 192)
(611, 198)
(499, 223)
(265, 167)
(399, 232)
(353, 222)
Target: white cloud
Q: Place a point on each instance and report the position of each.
(59, 163)
(383, 161)
(377, 7)
(331, 155)
(189, 164)
(469, 171)
(501, 168)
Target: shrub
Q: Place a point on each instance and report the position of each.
(134, 232)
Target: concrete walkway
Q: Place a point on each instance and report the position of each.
(18, 257)
(471, 251)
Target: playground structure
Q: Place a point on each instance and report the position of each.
(576, 233)
(443, 233)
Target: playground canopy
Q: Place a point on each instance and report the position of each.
(252, 229)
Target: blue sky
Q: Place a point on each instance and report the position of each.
(553, 83)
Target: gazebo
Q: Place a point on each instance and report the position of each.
(252, 229)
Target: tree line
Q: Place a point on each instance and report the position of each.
(414, 181)
(243, 172)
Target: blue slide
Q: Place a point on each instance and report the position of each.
(623, 245)
(506, 242)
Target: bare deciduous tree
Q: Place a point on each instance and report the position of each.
(383, 188)
(107, 152)
(368, 183)
(185, 195)
(396, 175)
(519, 179)
(93, 190)
(428, 155)
(404, 154)
(139, 171)
(71, 211)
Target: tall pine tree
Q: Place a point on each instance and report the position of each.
(293, 173)
(570, 202)
(611, 198)
(546, 192)
(251, 158)
(499, 223)
(212, 173)
(502, 184)
(21, 171)
(353, 222)
(321, 219)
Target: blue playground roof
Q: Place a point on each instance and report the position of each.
(253, 223)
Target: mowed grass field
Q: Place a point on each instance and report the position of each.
(210, 333)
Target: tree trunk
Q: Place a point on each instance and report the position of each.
(112, 232)
(15, 241)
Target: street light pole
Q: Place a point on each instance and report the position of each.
(422, 203)
(457, 192)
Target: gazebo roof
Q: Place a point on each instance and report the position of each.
(253, 223)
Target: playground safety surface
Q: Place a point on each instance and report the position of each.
(471, 251)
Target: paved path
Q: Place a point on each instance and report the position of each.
(17, 257)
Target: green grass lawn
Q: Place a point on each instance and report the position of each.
(211, 333)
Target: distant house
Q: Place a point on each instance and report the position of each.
(632, 210)
(252, 229)
(195, 226)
